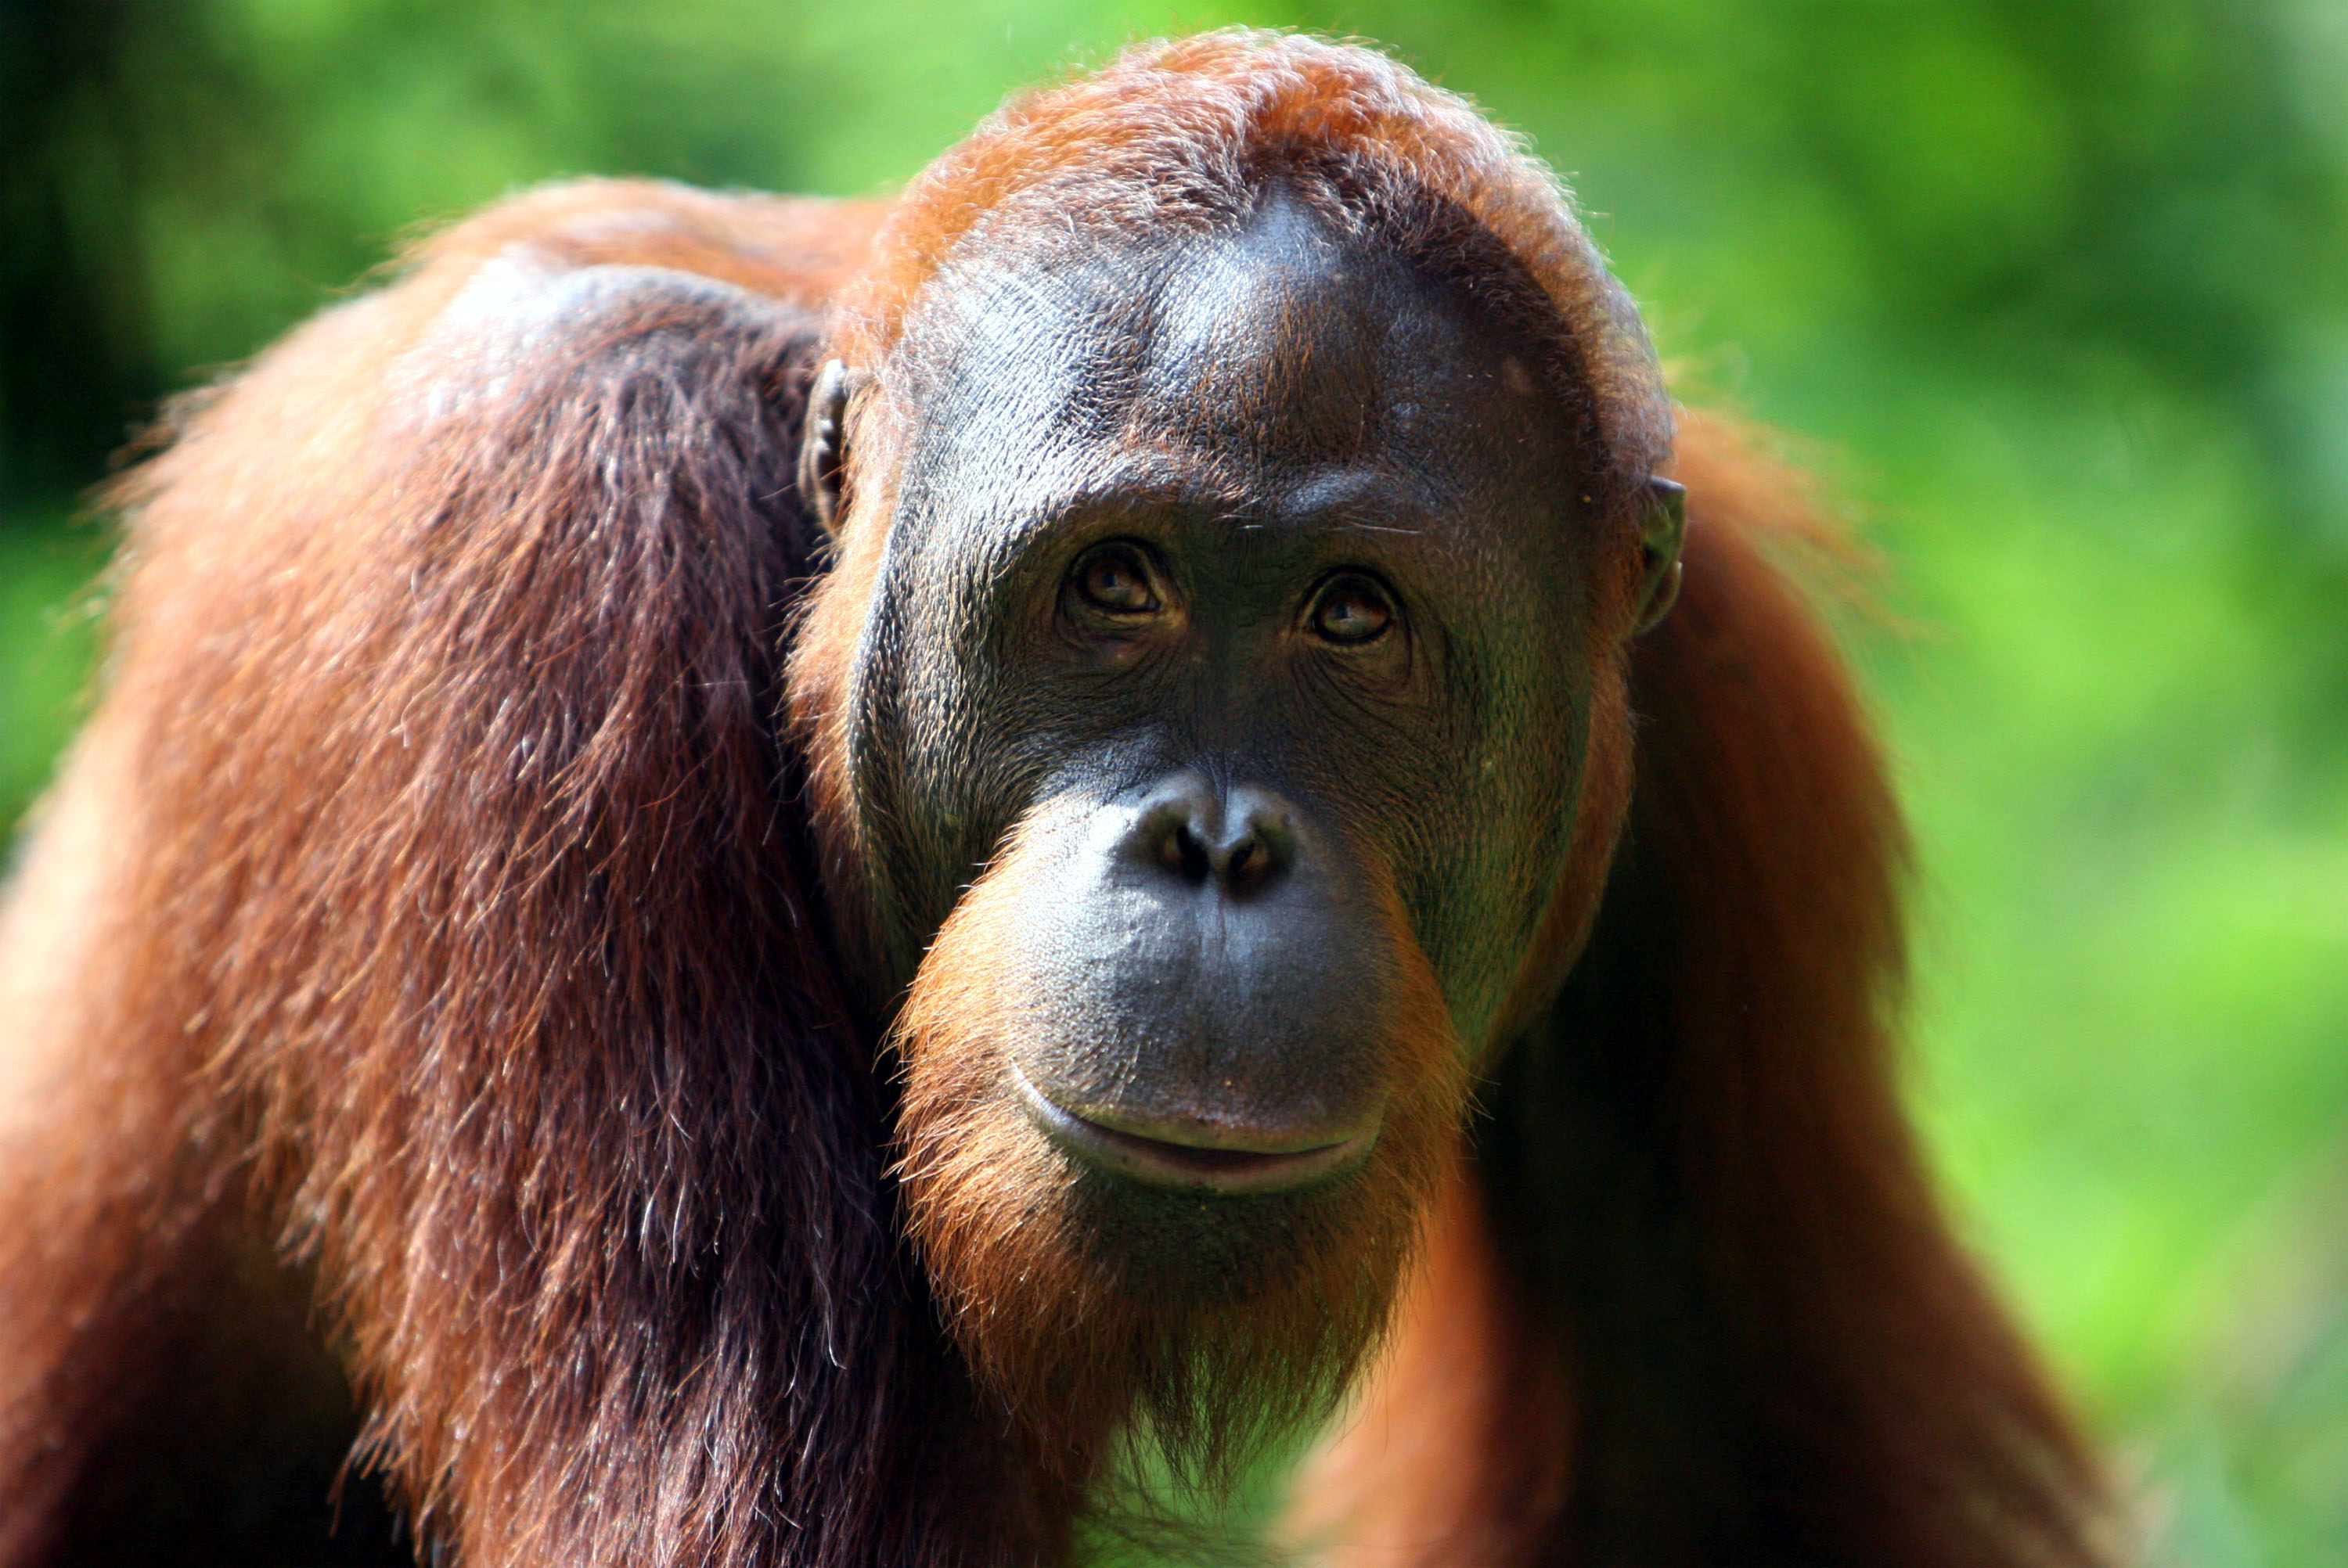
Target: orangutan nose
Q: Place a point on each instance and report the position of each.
(1242, 840)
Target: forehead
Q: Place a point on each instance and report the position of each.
(1276, 369)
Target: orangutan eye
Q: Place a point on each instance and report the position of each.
(1351, 611)
(1116, 581)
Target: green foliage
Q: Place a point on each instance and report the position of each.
(2058, 287)
(48, 641)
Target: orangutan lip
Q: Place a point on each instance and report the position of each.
(1218, 1168)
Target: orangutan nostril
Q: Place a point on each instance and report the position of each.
(1181, 851)
(1248, 864)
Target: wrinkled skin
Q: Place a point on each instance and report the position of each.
(1241, 578)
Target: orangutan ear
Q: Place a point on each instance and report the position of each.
(823, 443)
(1659, 552)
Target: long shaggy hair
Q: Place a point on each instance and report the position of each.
(436, 906)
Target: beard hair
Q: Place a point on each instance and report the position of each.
(1103, 1315)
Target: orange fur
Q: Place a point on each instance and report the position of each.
(1457, 1449)
(1699, 1171)
(1172, 135)
(453, 940)
(441, 689)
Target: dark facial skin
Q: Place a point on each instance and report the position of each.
(1235, 593)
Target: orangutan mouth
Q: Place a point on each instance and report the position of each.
(1199, 1156)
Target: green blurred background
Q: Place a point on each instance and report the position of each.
(2054, 290)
